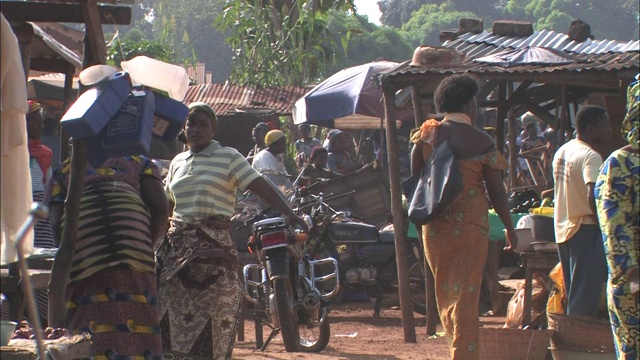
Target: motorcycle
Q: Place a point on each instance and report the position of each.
(366, 255)
(282, 286)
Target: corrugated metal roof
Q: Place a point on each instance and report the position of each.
(591, 55)
(233, 99)
(552, 40)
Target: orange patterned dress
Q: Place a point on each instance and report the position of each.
(456, 244)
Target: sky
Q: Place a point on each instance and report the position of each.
(369, 8)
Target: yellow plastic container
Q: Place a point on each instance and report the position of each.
(544, 210)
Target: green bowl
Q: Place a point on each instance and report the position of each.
(6, 330)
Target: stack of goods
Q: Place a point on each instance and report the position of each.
(120, 111)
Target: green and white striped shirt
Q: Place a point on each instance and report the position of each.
(203, 184)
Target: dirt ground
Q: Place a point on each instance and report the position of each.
(355, 334)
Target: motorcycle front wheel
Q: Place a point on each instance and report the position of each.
(315, 338)
(417, 285)
(286, 314)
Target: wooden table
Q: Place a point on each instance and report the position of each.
(39, 273)
(534, 261)
(71, 347)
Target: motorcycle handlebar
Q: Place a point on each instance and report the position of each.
(316, 199)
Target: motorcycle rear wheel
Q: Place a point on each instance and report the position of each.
(315, 339)
(287, 317)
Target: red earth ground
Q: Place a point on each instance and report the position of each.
(355, 334)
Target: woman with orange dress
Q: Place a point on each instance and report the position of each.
(456, 241)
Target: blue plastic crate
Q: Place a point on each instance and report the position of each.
(91, 112)
(129, 131)
(170, 116)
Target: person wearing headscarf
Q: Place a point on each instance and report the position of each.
(200, 291)
(40, 159)
(257, 134)
(304, 145)
(339, 159)
(617, 193)
(268, 162)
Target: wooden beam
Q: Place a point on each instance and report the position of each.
(401, 244)
(486, 89)
(500, 116)
(115, 2)
(49, 65)
(16, 11)
(93, 35)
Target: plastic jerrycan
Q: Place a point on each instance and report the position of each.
(158, 75)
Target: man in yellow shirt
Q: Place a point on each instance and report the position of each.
(576, 167)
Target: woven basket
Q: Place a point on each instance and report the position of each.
(509, 344)
(580, 333)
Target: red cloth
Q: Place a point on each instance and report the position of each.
(42, 154)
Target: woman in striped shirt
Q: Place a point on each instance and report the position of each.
(200, 290)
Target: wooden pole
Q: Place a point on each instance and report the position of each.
(418, 112)
(501, 114)
(93, 54)
(513, 152)
(406, 306)
(564, 115)
(429, 282)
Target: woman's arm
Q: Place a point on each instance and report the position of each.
(271, 196)
(153, 195)
(498, 196)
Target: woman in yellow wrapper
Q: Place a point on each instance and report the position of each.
(456, 241)
(617, 193)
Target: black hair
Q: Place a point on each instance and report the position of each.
(589, 115)
(454, 92)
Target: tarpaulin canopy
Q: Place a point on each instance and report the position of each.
(348, 94)
(530, 55)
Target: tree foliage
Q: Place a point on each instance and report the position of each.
(366, 42)
(426, 23)
(128, 49)
(278, 42)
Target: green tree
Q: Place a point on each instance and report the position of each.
(278, 42)
(366, 42)
(127, 49)
(426, 23)
(614, 20)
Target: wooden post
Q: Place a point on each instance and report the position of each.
(418, 111)
(94, 53)
(564, 115)
(513, 152)
(62, 262)
(429, 282)
(501, 114)
(406, 306)
(68, 100)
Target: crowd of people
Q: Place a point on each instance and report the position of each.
(155, 271)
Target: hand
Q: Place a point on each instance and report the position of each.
(512, 239)
(298, 222)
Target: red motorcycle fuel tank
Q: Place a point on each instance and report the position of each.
(353, 233)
